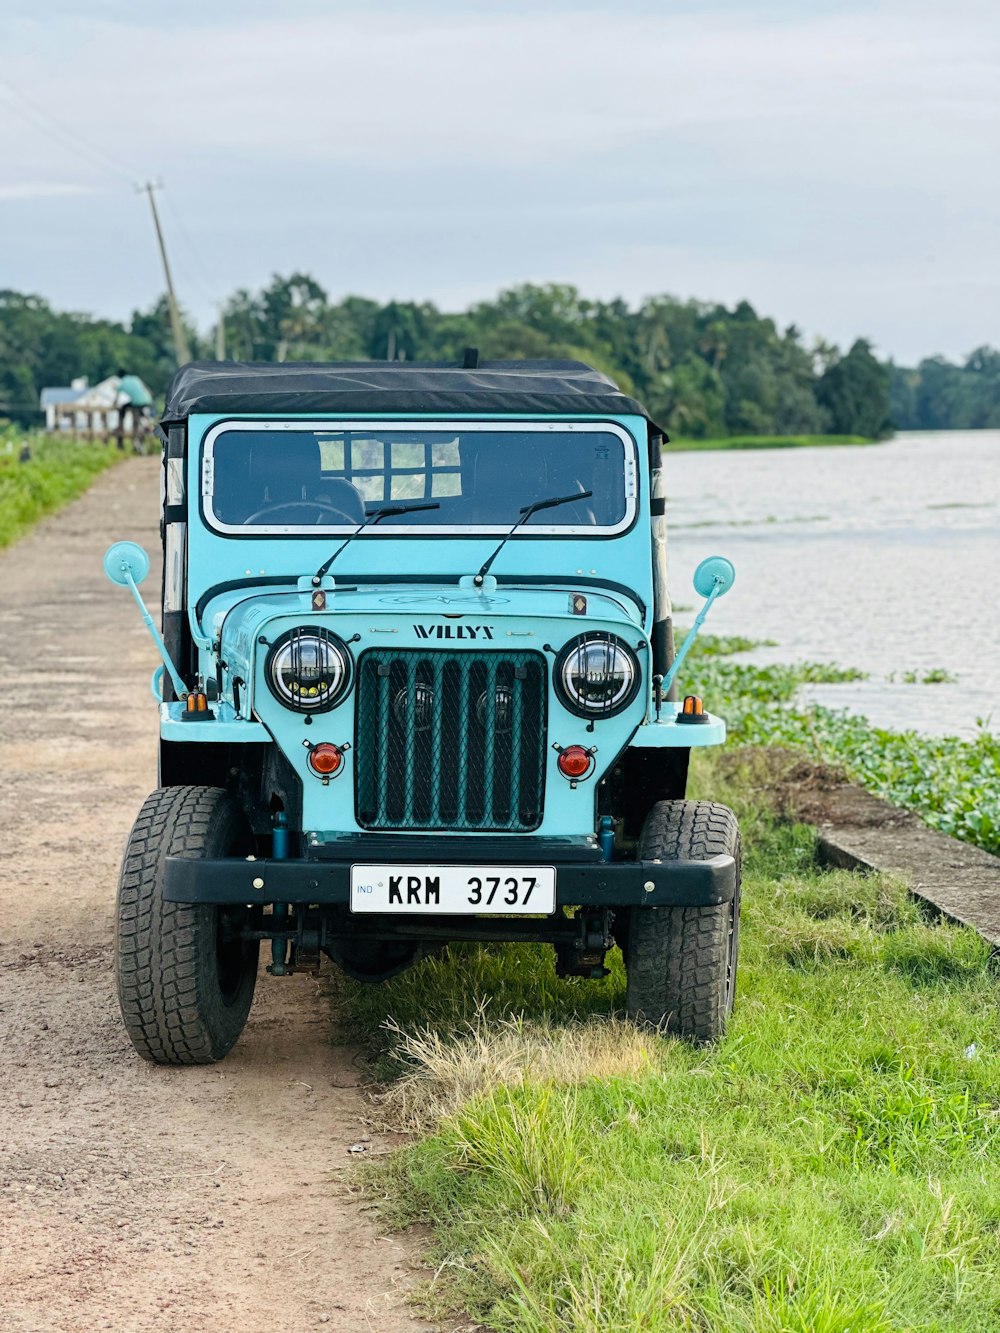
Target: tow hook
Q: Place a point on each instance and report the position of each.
(584, 955)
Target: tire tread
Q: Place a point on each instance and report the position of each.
(678, 957)
(160, 946)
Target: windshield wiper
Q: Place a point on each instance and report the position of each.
(376, 515)
(525, 514)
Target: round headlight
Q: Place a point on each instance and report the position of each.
(309, 670)
(597, 675)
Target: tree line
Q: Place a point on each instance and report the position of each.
(702, 369)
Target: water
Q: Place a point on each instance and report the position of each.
(885, 557)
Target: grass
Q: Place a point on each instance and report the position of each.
(827, 1168)
(682, 445)
(58, 471)
(953, 784)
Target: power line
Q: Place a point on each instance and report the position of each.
(206, 281)
(47, 124)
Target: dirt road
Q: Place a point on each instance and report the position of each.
(132, 1197)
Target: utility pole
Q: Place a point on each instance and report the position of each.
(220, 336)
(177, 328)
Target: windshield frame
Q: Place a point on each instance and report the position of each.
(389, 529)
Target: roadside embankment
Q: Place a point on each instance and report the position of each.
(859, 831)
(39, 474)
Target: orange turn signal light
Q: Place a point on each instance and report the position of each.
(196, 708)
(692, 710)
(575, 761)
(325, 759)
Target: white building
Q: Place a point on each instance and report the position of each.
(82, 408)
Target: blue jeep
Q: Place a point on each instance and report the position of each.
(417, 687)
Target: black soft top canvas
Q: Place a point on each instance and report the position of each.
(534, 387)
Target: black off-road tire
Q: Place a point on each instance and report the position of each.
(185, 979)
(681, 961)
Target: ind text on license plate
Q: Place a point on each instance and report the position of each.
(454, 890)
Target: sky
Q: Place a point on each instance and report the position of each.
(833, 162)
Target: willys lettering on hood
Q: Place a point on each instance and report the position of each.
(453, 631)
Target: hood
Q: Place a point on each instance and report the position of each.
(416, 602)
(247, 621)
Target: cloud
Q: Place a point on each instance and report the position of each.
(840, 93)
(835, 153)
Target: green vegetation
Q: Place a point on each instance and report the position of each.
(828, 1168)
(934, 676)
(703, 370)
(56, 472)
(725, 645)
(41, 347)
(682, 445)
(952, 784)
(706, 372)
(939, 395)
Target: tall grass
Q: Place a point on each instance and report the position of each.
(57, 471)
(827, 1168)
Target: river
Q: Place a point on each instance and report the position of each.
(883, 557)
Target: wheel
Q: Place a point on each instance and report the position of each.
(185, 977)
(680, 962)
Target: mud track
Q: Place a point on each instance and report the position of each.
(132, 1197)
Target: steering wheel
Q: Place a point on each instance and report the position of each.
(319, 507)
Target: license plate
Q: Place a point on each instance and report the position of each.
(454, 890)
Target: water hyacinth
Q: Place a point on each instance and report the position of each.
(953, 784)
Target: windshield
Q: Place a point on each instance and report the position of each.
(276, 478)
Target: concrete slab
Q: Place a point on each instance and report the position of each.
(859, 831)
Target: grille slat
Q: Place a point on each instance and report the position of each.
(450, 740)
(516, 720)
(409, 771)
(463, 769)
(435, 812)
(489, 743)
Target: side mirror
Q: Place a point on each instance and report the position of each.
(712, 579)
(127, 564)
(125, 559)
(715, 572)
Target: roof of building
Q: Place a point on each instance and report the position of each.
(531, 387)
(53, 397)
(96, 397)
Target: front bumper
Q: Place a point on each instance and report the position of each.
(326, 882)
